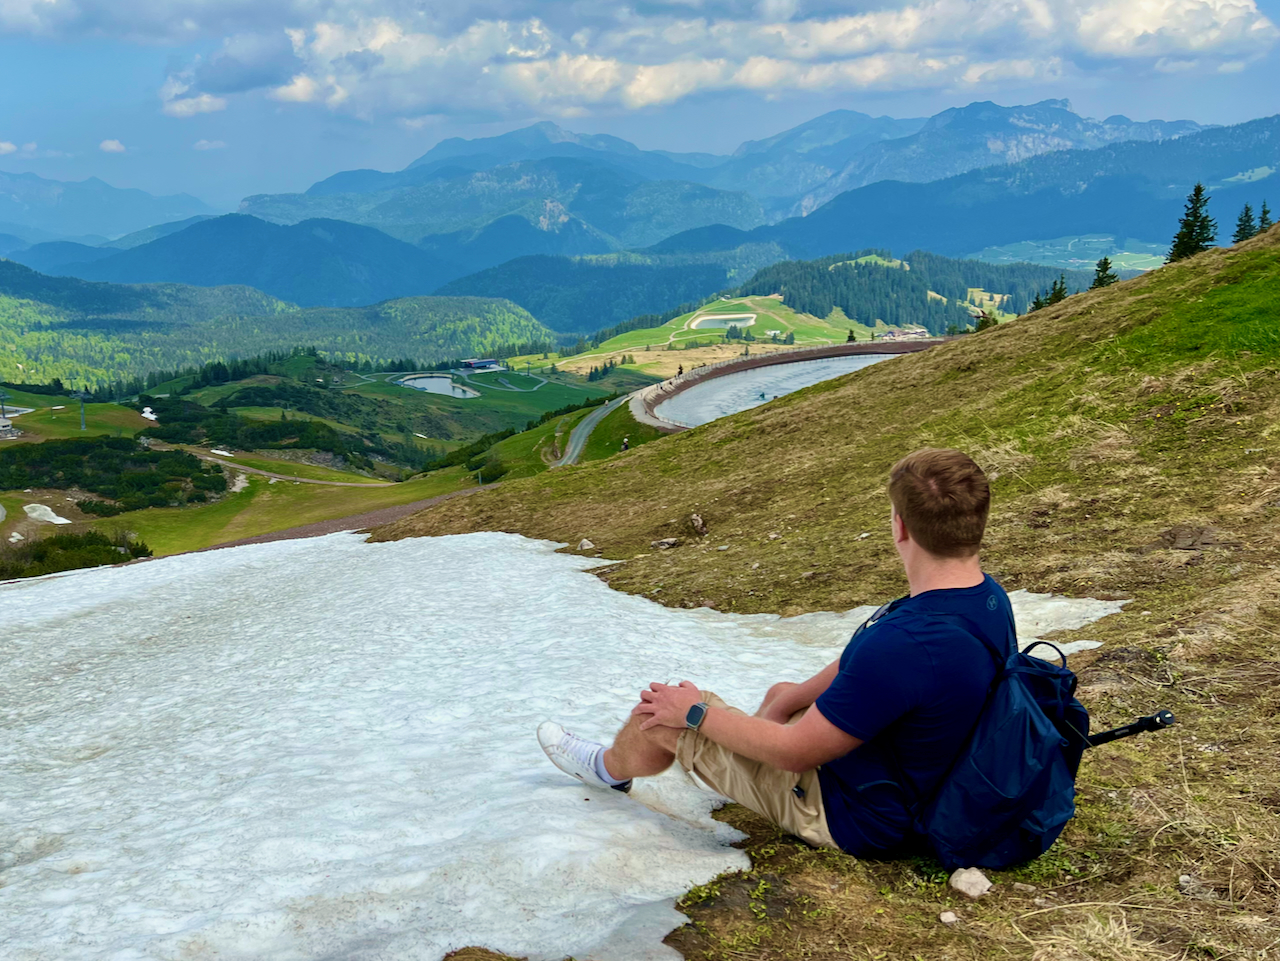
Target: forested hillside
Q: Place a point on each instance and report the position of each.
(922, 289)
(96, 334)
(582, 295)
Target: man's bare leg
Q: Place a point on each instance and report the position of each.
(637, 753)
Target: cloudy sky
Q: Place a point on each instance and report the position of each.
(223, 98)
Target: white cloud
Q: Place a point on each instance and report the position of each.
(191, 106)
(511, 57)
(7, 148)
(208, 145)
(111, 146)
(301, 89)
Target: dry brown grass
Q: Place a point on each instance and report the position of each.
(1135, 447)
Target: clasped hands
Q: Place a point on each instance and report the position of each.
(666, 705)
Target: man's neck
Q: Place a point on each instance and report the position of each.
(928, 573)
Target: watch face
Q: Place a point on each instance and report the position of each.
(695, 715)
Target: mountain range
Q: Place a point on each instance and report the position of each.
(38, 209)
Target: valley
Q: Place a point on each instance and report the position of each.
(534, 370)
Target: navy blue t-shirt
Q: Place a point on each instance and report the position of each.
(910, 687)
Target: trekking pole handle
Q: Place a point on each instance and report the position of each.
(1152, 722)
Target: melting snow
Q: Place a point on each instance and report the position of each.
(324, 748)
(40, 512)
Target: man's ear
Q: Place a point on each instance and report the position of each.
(900, 535)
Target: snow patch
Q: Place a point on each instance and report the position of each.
(325, 748)
(222, 453)
(15, 537)
(40, 512)
(239, 483)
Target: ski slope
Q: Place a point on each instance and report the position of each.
(324, 749)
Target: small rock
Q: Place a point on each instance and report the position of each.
(1024, 888)
(864, 535)
(970, 882)
(948, 917)
(723, 547)
(698, 524)
(755, 566)
(1193, 887)
(665, 543)
(774, 537)
(586, 545)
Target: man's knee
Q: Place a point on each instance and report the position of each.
(659, 736)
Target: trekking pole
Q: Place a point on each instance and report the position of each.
(1152, 722)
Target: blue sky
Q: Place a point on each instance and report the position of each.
(224, 98)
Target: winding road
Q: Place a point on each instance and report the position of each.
(580, 434)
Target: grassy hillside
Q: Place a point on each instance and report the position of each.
(98, 333)
(1131, 437)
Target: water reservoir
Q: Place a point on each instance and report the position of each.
(722, 396)
(438, 384)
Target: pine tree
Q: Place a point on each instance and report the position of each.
(1103, 275)
(1264, 218)
(1245, 226)
(1196, 230)
(1058, 290)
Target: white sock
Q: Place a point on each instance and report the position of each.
(604, 771)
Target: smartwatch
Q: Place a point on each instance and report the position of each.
(696, 715)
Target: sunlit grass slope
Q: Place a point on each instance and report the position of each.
(1133, 440)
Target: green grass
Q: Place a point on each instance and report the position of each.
(99, 419)
(1079, 252)
(20, 398)
(606, 439)
(523, 452)
(263, 507)
(294, 469)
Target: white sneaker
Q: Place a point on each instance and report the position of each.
(575, 755)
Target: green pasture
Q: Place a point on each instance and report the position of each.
(99, 419)
(292, 468)
(20, 398)
(263, 507)
(1079, 252)
(772, 316)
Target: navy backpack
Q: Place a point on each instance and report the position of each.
(1011, 790)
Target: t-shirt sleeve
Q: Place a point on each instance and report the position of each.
(878, 682)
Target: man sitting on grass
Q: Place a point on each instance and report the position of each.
(841, 759)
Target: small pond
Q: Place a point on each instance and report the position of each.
(438, 384)
(722, 321)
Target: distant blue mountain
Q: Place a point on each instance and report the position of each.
(61, 210)
(314, 263)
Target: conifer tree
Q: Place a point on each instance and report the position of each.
(1103, 275)
(1264, 218)
(1245, 225)
(1196, 230)
(1058, 290)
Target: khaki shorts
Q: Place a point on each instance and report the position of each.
(766, 790)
